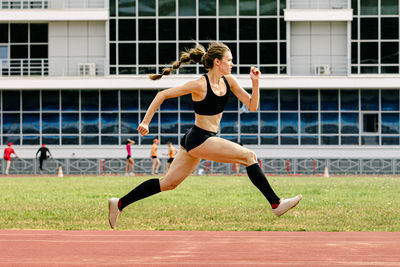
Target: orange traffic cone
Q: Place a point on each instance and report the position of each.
(60, 172)
(326, 173)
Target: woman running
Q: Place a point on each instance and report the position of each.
(130, 163)
(171, 154)
(156, 161)
(209, 94)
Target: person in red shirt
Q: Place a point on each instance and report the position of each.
(7, 155)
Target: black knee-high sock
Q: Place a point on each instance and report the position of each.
(145, 189)
(258, 178)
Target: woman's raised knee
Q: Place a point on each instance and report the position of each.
(251, 157)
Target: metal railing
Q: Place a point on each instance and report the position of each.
(44, 4)
(306, 166)
(318, 4)
(318, 65)
(53, 67)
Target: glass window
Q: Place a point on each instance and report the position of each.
(308, 99)
(370, 140)
(90, 123)
(169, 123)
(126, 54)
(31, 123)
(50, 100)
(309, 123)
(50, 123)
(147, 53)
(229, 123)
(369, 53)
(389, 28)
(249, 122)
(30, 100)
(18, 52)
(112, 29)
(187, 7)
(11, 123)
(147, 29)
(369, 7)
(146, 97)
(349, 99)
(170, 104)
(289, 140)
(269, 99)
(30, 140)
(166, 7)
(389, 100)
(247, 7)
(112, 8)
(309, 140)
(390, 140)
(11, 101)
(70, 123)
(227, 29)
(390, 52)
(227, 7)
(248, 29)
(167, 29)
(13, 139)
(369, 100)
(109, 100)
(3, 33)
(349, 123)
(207, 29)
(109, 140)
(349, 140)
(19, 33)
(70, 100)
(329, 122)
(187, 29)
(148, 139)
(390, 123)
(39, 33)
(147, 8)
(126, 29)
(129, 123)
(268, 53)
(389, 7)
(187, 121)
(268, 7)
(207, 8)
(90, 140)
(153, 126)
(70, 140)
(269, 139)
(126, 8)
(369, 28)
(186, 103)
(370, 122)
(232, 104)
(248, 53)
(288, 100)
(289, 123)
(329, 140)
(354, 53)
(129, 100)
(109, 123)
(113, 55)
(39, 52)
(329, 99)
(90, 100)
(268, 29)
(51, 140)
(282, 55)
(268, 122)
(249, 139)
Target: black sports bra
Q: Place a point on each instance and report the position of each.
(212, 104)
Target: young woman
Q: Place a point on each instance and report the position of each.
(209, 94)
(171, 154)
(156, 161)
(8, 151)
(130, 163)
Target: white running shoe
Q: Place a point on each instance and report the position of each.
(286, 204)
(113, 211)
(131, 174)
(126, 174)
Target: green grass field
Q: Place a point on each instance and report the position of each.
(214, 203)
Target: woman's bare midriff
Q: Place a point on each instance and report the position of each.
(209, 123)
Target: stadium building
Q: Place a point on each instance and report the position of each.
(73, 75)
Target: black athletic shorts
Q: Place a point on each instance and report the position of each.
(170, 160)
(128, 157)
(195, 137)
(153, 157)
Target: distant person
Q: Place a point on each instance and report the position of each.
(43, 156)
(130, 163)
(156, 161)
(171, 154)
(7, 156)
(237, 165)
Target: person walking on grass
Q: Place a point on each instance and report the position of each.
(8, 151)
(209, 94)
(156, 161)
(171, 154)
(130, 163)
(43, 156)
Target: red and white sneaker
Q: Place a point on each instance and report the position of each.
(113, 211)
(286, 204)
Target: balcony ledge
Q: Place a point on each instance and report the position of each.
(43, 15)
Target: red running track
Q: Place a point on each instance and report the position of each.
(192, 248)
